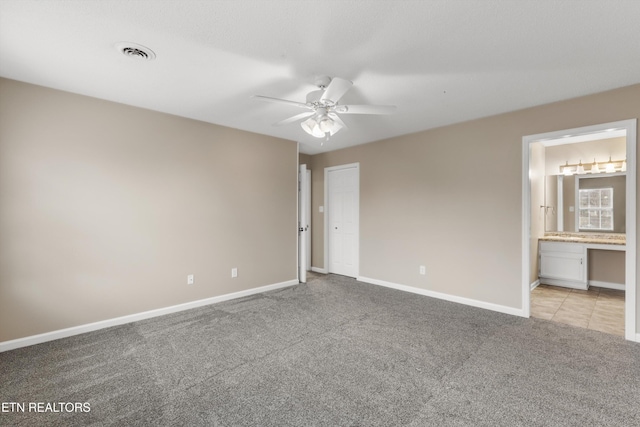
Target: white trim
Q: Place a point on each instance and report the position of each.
(526, 229)
(297, 221)
(608, 285)
(326, 214)
(576, 203)
(630, 307)
(568, 139)
(629, 126)
(89, 327)
(605, 247)
(301, 223)
(637, 338)
(535, 284)
(446, 297)
(560, 202)
(319, 270)
(564, 283)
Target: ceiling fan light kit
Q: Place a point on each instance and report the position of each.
(323, 121)
(311, 127)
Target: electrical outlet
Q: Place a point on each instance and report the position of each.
(190, 279)
(234, 272)
(423, 270)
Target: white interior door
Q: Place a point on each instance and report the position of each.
(303, 228)
(308, 219)
(343, 220)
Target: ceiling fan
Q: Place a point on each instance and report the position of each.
(322, 119)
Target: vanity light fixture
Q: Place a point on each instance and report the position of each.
(610, 166)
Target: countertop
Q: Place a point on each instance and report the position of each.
(593, 238)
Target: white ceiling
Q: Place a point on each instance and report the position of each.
(439, 61)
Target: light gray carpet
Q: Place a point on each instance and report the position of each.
(333, 352)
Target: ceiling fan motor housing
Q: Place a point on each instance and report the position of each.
(323, 81)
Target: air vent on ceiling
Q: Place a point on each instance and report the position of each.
(135, 50)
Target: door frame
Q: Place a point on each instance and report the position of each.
(327, 259)
(631, 284)
(308, 219)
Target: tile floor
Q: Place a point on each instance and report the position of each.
(597, 308)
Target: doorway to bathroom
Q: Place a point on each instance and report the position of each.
(579, 227)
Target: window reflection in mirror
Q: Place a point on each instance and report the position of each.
(595, 209)
(601, 203)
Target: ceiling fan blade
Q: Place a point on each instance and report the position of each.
(336, 89)
(365, 109)
(294, 118)
(337, 119)
(281, 101)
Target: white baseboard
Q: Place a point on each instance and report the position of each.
(564, 283)
(319, 270)
(446, 297)
(607, 285)
(76, 330)
(534, 284)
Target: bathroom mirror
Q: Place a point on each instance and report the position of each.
(601, 210)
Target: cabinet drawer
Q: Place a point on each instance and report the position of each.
(575, 248)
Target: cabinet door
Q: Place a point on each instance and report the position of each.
(562, 266)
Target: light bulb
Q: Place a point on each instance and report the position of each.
(610, 168)
(326, 124)
(317, 132)
(567, 169)
(580, 168)
(595, 168)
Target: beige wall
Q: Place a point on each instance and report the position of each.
(304, 159)
(450, 198)
(606, 266)
(106, 208)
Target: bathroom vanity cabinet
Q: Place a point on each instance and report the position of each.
(563, 259)
(563, 264)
